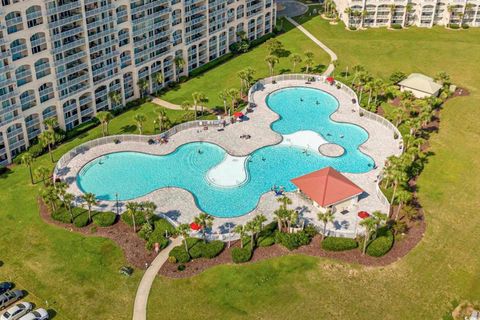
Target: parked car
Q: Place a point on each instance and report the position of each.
(5, 286)
(39, 314)
(10, 297)
(17, 311)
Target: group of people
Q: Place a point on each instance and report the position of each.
(279, 190)
(245, 136)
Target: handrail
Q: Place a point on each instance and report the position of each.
(128, 137)
(361, 111)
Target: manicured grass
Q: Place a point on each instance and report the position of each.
(225, 75)
(442, 268)
(76, 275)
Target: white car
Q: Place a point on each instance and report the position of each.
(18, 310)
(39, 314)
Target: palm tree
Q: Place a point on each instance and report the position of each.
(205, 221)
(308, 61)
(450, 14)
(399, 176)
(260, 220)
(67, 202)
(47, 139)
(241, 231)
(392, 8)
(245, 76)
(50, 123)
(348, 11)
(27, 160)
(115, 98)
(295, 59)
(104, 117)
(143, 86)
(285, 201)
(158, 78)
(273, 46)
(408, 10)
(370, 226)
(42, 173)
(325, 217)
(292, 217)
(132, 209)
(184, 231)
(50, 197)
(139, 119)
(251, 227)
(197, 97)
(148, 208)
(281, 215)
(403, 197)
(179, 64)
(223, 95)
(443, 78)
(90, 200)
(357, 70)
(271, 60)
(234, 95)
(162, 117)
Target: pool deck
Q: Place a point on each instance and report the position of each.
(179, 205)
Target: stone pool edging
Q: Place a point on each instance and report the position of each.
(183, 199)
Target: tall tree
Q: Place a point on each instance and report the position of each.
(132, 210)
(140, 119)
(67, 202)
(223, 95)
(158, 78)
(104, 117)
(179, 64)
(274, 46)
(205, 221)
(325, 217)
(308, 61)
(90, 200)
(241, 231)
(184, 231)
(50, 123)
(42, 173)
(285, 201)
(162, 118)
(403, 197)
(197, 98)
(115, 98)
(27, 160)
(370, 226)
(143, 86)
(295, 59)
(234, 95)
(271, 61)
(47, 139)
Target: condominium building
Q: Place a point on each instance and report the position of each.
(421, 13)
(62, 58)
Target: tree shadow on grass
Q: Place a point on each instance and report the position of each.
(129, 128)
(5, 172)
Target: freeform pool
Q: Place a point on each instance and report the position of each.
(133, 174)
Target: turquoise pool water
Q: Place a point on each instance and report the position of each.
(132, 174)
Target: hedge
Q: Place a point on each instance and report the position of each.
(206, 250)
(292, 240)
(240, 255)
(266, 241)
(396, 26)
(156, 237)
(196, 251)
(339, 244)
(163, 225)
(139, 219)
(104, 219)
(381, 245)
(81, 220)
(180, 254)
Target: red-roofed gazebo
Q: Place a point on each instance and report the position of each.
(328, 188)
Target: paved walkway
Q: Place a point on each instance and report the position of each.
(173, 106)
(333, 56)
(141, 299)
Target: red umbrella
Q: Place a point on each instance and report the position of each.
(363, 214)
(238, 114)
(330, 79)
(195, 226)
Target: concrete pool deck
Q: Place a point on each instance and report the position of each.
(179, 205)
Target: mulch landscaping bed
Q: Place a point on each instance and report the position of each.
(401, 247)
(132, 245)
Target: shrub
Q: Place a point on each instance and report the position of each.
(61, 215)
(352, 28)
(181, 267)
(139, 219)
(211, 65)
(465, 26)
(397, 76)
(381, 245)
(396, 26)
(180, 254)
(240, 255)
(162, 225)
(213, 249)
(104, 219)
(196, 251)
(156, 237)
(266, 241)
(339, 244)
(81, 220)
(146, 231)
(172, 259)
(453, 26)
(36, 150)
(292, 240)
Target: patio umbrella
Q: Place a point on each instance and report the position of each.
(330, 79)
(195, 226)
(238, 114)
(363, 214)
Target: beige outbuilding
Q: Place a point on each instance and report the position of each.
(420, 85)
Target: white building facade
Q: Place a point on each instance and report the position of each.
(420, 13)
(62, 58)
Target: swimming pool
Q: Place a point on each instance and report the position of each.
(133, 174)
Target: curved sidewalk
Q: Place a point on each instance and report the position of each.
(333, 56)
(141, 299)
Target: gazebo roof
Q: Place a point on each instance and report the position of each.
(327, 186)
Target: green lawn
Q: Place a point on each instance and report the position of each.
(442, 268)
(74, 275)
(225, 75)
